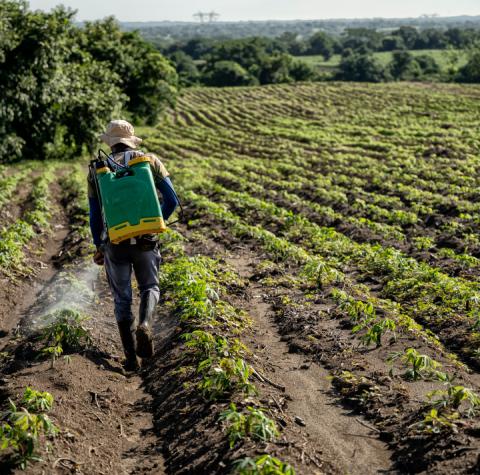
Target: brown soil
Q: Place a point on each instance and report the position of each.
(346, 441)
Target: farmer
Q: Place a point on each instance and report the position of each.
(141, 253)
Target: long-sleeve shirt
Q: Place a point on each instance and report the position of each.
(162, 183)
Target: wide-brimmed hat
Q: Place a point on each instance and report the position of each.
(120, 131)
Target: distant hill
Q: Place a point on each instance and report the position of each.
(221, 29)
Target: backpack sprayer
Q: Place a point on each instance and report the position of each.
(128, 197)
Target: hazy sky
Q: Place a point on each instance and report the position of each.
(145, 10)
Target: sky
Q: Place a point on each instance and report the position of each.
(233, 10)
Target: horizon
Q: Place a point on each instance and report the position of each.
(229, 11)
(333, 19)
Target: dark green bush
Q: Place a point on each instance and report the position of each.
(60, 85)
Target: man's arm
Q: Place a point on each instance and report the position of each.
(164, 186)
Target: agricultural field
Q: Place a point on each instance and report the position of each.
(444, 58)
(320, 305)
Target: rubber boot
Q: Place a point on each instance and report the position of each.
(148, 302)
(126, 329)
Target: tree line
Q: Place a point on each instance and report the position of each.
(171, 31)
(262, 60)
(61, 83)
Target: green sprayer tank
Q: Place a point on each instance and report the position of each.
(129, 200)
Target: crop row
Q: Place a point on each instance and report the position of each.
(216, 361)
(14, 239)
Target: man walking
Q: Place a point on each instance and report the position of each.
(140, 254)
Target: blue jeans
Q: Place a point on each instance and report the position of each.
(120, 259)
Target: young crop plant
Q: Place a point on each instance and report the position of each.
(357, 310)
(205, 345)
(262, 465)
(423, 243)
(434, 422)
(22, 429)
(254, 424)
(376, 331)
(37, 401)
(321, 274)
(419, 366)
(66, 331)
(453, 397)
(221, 376)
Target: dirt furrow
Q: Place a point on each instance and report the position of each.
(344, 439)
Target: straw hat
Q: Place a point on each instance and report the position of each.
(120, 131)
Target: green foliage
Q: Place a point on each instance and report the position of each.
(404, 66)
(321, 43)
(228, 73)
(67, 327)
(37, 401)
(205, 345)
(16, 237)
(23, 427)
(224, 375)
(375, 332)
(262, 465)
(471, 71)
(421, 366)
(453, 397)
(188, 73)
(66, 331)
(59, 93)
(361, 68)
(435, 422)
(254, 424)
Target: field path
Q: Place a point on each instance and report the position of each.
(342, 438)
(18, 295)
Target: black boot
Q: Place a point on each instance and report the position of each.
(148, 301)
(126, 328)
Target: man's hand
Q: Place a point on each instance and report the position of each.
(99, 258)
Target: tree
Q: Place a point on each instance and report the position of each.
(427, 64)
(187, 70)
(228, 73)
(366, 38)
(321, 43)
(471, 71)
(301, 71)
(392, 43)
(293, 44)
(409, 35)
(144, 75)
(55, 96)
(60, 84)
(360, 67)
(404, 67)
